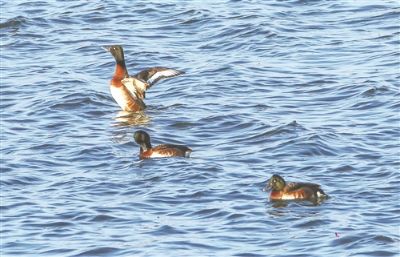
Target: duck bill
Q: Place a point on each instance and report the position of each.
(107, 48)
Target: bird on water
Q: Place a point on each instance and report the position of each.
(282, 190)
(130, 91)
(147, 151)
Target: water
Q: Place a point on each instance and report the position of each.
(305, 89)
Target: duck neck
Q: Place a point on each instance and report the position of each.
(145, 147)
(120, 70)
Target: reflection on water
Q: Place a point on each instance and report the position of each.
(124, 118)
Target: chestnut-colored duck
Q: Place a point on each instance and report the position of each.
(129, 91)
(165, 150)
(281, 190)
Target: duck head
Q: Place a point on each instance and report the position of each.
(143, 139)
(275, 183)
(117, 51)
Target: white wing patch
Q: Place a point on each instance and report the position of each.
(288, 197)
(130, 85)
(167, 73)
(158, 155)
(135, 86)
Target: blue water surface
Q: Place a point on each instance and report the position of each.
(305, 89)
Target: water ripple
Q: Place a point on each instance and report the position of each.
(305, 89)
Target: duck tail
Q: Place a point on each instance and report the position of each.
(320, 193)
(188, 152)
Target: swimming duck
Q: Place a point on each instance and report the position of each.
(280, 190)
(129, 91)
(165, 150)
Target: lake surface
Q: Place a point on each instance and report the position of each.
(305, 89)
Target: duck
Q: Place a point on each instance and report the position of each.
(281, 190)
(142, 138)
(130, 91)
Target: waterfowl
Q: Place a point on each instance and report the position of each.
(129, 91)
(280, 190)
(165, 150)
